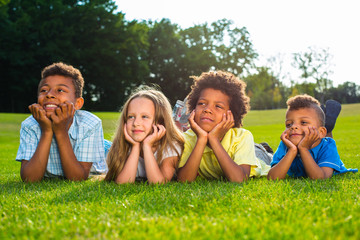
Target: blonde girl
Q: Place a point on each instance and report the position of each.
(147, 143)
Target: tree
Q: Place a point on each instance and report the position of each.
(315, 64)
(175, 54)
(264, 90)
(86, 34)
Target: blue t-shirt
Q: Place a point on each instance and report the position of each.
(325, 155)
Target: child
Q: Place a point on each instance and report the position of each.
(216, 146)
(147, 143)
(304, 149)
(59, 140)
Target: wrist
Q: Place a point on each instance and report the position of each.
(47, 133)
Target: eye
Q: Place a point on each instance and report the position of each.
(61, 90)
(200, 103)
(145, 116)
(219, 106)
(42, 90)
(304, 122)
(130, 117)
(288, 125)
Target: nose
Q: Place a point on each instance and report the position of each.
(207, 109)
(136, 121)
(50, 94)
(294, 126)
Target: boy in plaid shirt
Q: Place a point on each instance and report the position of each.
(59, 139)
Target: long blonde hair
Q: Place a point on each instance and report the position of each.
(120, 148)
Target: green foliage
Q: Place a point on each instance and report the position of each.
(116, 55)
(87, 34)
(257, 209)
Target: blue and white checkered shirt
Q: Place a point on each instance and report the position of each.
(86, 137)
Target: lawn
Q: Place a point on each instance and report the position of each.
(257, 209)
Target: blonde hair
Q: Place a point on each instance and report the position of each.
(120, 148)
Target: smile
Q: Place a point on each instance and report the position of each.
(205, 119)
(50, 106)
(137, 131)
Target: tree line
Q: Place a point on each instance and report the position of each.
(116, 55)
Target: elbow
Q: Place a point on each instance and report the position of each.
(30, 180)
(237, 179)
(184, 179)
(272, 177)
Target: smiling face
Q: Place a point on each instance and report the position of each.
(210, 108)
(140, 118)
(298, 121)
(54, 90)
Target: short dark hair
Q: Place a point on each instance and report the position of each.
(65, 70)
(306, 101)
(228, 84)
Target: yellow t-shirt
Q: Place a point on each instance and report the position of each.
(237, 142)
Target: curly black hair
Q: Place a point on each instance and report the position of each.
(65, 70)
(306, 101)
(228, 84)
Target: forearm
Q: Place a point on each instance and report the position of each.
(189, 171)
(232, 171)
(34, 169)
(153, 172)
(313, 171)
(128, 173)
(280, 170)
(72, 168)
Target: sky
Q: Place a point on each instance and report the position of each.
(276, 27)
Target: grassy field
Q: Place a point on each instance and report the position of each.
(257, 209)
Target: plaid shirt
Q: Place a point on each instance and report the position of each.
(86, 137)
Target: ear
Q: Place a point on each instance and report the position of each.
(322, 131)
(79, 103)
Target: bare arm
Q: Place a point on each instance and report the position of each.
(61, 121)
(190, 170)
(154, 172)
(34, 169)
(280, 170)
(232, 171)
(312, 170)
(128, 173)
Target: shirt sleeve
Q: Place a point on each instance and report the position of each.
(188, 147)
(279, 154)
(28, 143)
(245, 150)
(329, 157)
(91, 147)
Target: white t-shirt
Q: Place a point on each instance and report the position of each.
(168, 152)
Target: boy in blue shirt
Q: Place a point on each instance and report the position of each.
(304, 149)
(59, 139)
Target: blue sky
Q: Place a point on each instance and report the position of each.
(277, 27)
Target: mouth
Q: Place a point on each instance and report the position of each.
(137, 131)
(50, 106)
(295, 135)
(206, 119)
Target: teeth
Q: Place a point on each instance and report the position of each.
(51, 105)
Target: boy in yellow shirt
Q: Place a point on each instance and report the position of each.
(215, 146)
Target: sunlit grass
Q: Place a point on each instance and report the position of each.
(257, 209)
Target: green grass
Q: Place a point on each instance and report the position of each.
(257, 209)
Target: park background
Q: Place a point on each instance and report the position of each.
(116, 53)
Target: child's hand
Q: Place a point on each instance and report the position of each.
(222, 127)
(129, 138)
(285, 138)
(200, 133)
(158, 133)
(39, 114)
(62, 117)
(311, 136)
